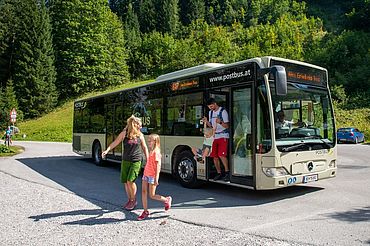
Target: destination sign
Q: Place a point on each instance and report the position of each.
(302, 74)
(184, 84)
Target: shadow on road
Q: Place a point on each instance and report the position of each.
(101, 186)
(356, 215)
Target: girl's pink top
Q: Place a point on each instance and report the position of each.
(151, 165)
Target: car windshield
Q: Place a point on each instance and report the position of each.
(303, 118)
(344, 129)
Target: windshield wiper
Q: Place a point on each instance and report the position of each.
(293, 147)
(320, 138)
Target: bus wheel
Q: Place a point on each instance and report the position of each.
(96, 154)
(185, 169)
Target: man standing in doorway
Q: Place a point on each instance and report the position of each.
(219, 120)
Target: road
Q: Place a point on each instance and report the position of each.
(49, 195)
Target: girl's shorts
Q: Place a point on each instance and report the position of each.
(148, 179)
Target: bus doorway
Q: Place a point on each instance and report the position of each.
(222, 98)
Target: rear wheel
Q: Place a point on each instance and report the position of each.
(186, 169)
(96, 154)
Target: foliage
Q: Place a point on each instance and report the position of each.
(358, 118)
(89, 45)
(12, 150)
(5, 149)
(347, 57)
(27, 56)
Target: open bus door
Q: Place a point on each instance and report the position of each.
(238, 104)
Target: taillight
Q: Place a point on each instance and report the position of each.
(351, 134)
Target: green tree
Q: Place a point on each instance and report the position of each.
(8, 25)
(89, 46)
(31, 58)
(148, 16)
(190, 10)
(8, 101)
(168, 17)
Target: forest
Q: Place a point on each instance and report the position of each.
(56, 50)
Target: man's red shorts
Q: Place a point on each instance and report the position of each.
(219, 147)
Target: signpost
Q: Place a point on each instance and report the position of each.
(13, 116)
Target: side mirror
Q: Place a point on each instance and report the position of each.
(280, 79)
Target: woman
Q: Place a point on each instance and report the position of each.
(132, 140)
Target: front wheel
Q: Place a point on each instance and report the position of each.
(186, 169)
(96, 154)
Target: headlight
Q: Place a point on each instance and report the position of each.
(274, 171)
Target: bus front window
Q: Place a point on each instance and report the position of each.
(303, 118)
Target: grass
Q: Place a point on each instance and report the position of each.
(12, 150)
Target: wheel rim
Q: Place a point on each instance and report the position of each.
(185, 169)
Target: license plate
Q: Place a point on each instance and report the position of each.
(310, 178)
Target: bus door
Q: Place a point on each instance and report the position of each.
(114, 123)
(222, 98)
(241, 140)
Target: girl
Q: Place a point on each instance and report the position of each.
(132, 139)
(151, 177)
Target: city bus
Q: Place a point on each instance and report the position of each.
(261, 155)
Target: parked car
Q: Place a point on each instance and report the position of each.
(350, 134)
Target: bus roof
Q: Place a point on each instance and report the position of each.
(263, 62)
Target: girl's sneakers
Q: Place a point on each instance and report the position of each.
(143, 216)
(168, 203)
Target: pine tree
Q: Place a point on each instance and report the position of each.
(89, 46)
(133, 40)
(191, 10)
(168, 17)
(8, 101)
(34, 72)
(148, 16)
(8, 23)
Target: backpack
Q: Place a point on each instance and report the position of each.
(220, 117)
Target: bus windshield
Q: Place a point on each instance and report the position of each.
(303, 118)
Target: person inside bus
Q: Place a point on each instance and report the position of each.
(219, 119)
(132, 156)
(200, 154)
(282, 124)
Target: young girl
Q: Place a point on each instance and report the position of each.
(151, 177)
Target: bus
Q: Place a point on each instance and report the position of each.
(261, 156)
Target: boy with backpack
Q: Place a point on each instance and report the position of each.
(219, 120)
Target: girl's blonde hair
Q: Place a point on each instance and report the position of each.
(157, 141)
(131, 130)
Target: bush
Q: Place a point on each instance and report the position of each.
(5, 149)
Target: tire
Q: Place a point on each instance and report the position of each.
(96, 154)
(356, 140)
(186, 169)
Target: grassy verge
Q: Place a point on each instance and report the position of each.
(12, 150)
(359, 118)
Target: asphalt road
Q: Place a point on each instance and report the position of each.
(50, 196)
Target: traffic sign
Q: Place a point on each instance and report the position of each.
(13, 115)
